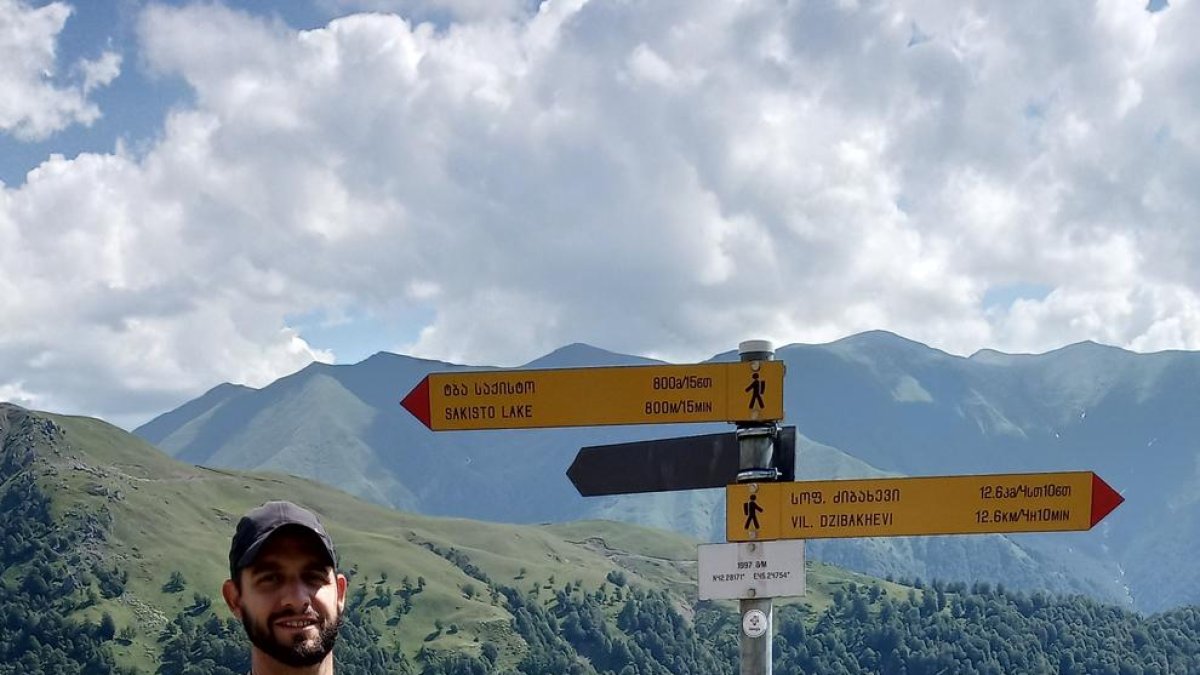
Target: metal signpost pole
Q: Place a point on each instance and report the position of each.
(756, 444)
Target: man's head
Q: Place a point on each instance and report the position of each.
(283, 584)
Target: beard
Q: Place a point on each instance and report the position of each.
(301, 652)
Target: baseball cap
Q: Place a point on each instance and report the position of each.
(260, 524)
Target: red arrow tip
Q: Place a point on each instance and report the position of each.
(1104, 499)
(417, 401)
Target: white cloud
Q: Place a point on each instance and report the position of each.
(14, 392)
(100, 72)
(663, 178)
(32, 105)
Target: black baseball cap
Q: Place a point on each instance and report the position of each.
(260, 524)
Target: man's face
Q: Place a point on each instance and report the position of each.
(290, 600)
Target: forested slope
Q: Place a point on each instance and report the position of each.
(92, 582)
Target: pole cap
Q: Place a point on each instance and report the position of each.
(756, 350)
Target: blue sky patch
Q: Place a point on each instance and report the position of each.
(1003, 296)
(357, 334)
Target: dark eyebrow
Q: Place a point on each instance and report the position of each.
(264, 566)
(270, 564)
(317, 566)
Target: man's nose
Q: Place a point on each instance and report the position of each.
(294, 594)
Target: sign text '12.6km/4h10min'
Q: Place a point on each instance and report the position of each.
(522, 399)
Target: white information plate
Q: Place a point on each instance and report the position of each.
(764, 569)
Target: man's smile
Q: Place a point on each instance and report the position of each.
(297, 623)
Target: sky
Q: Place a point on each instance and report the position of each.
(194, 193)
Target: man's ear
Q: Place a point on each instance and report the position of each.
(341, 591)
(233, 597)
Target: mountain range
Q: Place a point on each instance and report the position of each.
(868, 405)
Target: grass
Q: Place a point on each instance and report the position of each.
(169, 516)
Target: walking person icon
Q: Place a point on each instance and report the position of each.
(756, 389)
(751, 509)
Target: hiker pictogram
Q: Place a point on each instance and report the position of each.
(751, 509)
(756, 389)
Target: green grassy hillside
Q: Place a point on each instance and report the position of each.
(167, 517)
(111, 556)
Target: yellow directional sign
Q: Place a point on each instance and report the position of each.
(890, 507)
(518, 399)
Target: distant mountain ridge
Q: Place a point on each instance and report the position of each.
(164, 425)
(867, 404)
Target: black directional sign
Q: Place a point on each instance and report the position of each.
(689, 463)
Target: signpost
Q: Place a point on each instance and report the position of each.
(768, 514)
(526, 399)
(891, 507)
